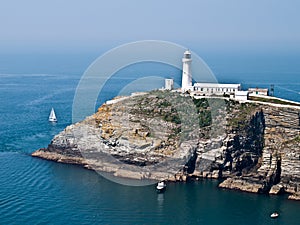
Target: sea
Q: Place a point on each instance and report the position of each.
(36, 191)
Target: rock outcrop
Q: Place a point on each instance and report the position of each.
(251, 147)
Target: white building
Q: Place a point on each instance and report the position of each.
(186, 71)
(169, 84)
(207, 89)
(216, 89)
(241, 95)
(259, 91)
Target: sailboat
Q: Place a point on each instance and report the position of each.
(52, 117)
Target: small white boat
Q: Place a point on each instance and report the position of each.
(274, 215)
(52, 116)
(161, 186)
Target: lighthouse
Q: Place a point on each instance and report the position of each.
(186, 71)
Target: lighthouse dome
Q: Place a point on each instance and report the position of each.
(187, 54)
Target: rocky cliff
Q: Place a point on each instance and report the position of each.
(252, 147)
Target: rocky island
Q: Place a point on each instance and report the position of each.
(162, 135)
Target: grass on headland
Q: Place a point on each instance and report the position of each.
(272, 100)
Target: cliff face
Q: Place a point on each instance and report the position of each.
(261, 152)
(272, 137)
(162, 135)
(137, 137)
(281, 154)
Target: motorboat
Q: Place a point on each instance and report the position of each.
(161, 186)
(274, 215)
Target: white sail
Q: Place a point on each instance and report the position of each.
(52, 117)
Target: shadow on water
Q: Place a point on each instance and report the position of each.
(39, 190)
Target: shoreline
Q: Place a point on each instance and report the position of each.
(226, 183)
(261, 167)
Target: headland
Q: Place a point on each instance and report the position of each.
(251, 145)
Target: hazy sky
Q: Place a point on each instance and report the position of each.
(78, 24)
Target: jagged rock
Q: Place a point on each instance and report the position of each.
(43, 153)
(255, 146)
(295, 196)
(276, 189)
(215, 174)
(242, 185)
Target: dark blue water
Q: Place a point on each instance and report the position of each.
(35, 191)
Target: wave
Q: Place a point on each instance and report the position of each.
(48, 96)
(32, 75)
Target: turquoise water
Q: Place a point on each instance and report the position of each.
(35, 191)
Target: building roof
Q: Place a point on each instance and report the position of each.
(241, 93)
(258, 89)
(216, 85)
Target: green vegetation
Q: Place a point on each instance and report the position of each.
(172, 107)
(174, 118)
(242, 115)
(205, 118)
(165, 104)
(275, 101)
(201, 103)
(294, 140)
(203, 111)
(158, 104)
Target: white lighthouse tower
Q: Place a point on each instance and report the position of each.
(186, 71)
